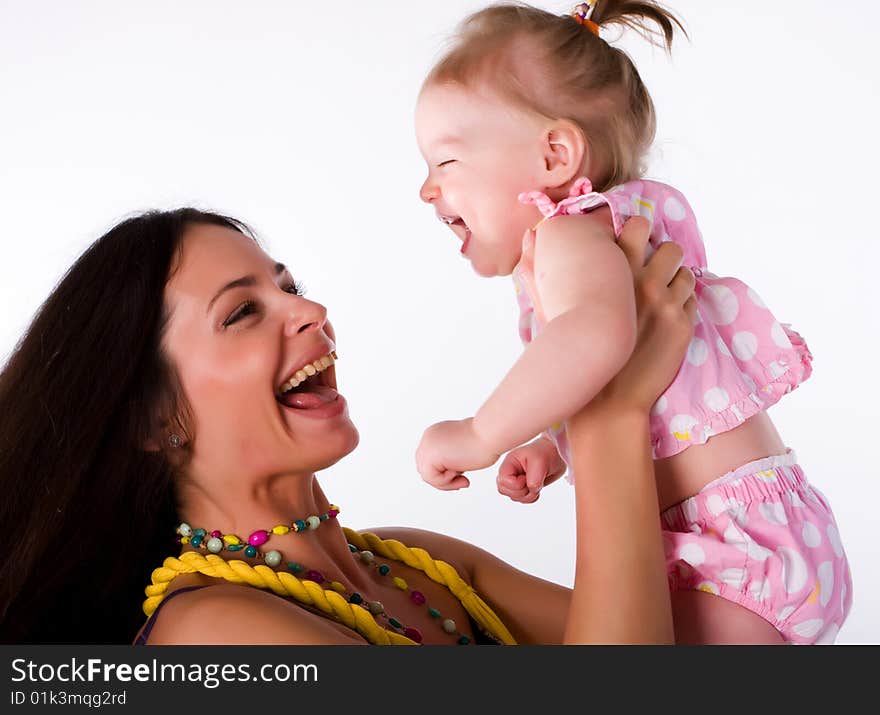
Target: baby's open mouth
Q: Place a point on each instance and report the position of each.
(459, 227)
(308, 387)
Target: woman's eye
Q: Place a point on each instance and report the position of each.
(242, 311)
(444, 163)
(249, 307)
(296, 288)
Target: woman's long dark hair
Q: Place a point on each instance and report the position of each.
(87, 510)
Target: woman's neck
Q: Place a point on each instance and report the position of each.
(241, 509)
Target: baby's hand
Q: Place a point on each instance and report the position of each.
(528, 469)
(447, 450)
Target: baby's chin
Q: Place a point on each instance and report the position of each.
(492, 264)
(491, 271)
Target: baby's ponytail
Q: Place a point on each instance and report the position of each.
(649, 19)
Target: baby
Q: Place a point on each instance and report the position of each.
(534, 130)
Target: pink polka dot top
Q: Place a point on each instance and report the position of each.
(740, 361)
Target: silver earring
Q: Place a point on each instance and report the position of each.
(175, 440)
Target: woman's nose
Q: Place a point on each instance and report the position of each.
(305, 316)
(429, 191)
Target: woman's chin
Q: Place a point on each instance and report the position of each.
(330, 449)
(350, 444)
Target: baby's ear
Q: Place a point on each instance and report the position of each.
(565, 151)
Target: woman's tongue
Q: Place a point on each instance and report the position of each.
(308, 397)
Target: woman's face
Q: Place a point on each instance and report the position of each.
(238, 332)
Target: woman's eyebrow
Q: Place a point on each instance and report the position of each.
(243, 282)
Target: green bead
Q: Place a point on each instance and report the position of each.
(250, 551)
(235, 547)
(197, 540)
(300, 525)
(384, 569)
(294, 566)
(352, 548)
(200, 532)
(464, 640)
(324, 517)
(356, 598)
(434, 613)
(394, 622)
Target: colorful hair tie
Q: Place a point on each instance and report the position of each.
(581, 15)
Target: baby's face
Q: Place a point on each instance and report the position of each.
(481, 152)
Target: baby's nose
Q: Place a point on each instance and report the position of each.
(429, 191)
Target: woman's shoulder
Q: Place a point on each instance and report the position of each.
(212, 613)
(510, 592)
(459, 554)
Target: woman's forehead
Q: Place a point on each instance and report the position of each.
(214, 253)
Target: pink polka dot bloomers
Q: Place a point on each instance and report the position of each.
(762, 537)
(759, 536)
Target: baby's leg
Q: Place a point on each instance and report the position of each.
(755, 557)
(701, 618)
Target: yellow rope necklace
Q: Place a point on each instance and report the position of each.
(329, 601)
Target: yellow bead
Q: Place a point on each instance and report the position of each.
(400, 583)
(184, 539)
(280, 529)
(231, 539)
(338, 587)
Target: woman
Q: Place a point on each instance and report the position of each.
(160, 380)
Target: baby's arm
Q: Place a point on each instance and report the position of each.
(585, 287)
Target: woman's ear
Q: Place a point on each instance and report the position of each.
(168, 437)
(565, 152)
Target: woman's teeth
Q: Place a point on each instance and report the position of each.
(304, 373)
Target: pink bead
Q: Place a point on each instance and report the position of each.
(315, 576)
(332, 513)
(418, 598)
(258, 538)
(216, 533)
(414, 634)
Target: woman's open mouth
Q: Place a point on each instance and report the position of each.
(309, 388)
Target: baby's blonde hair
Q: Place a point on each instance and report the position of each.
(557, 67)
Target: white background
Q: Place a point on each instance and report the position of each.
(297, 117)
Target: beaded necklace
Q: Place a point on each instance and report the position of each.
(219, 541)
(230, 542)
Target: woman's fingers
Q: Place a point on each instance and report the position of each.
(682, 285)
(664, 264)
(633, 241)
(690, 308)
